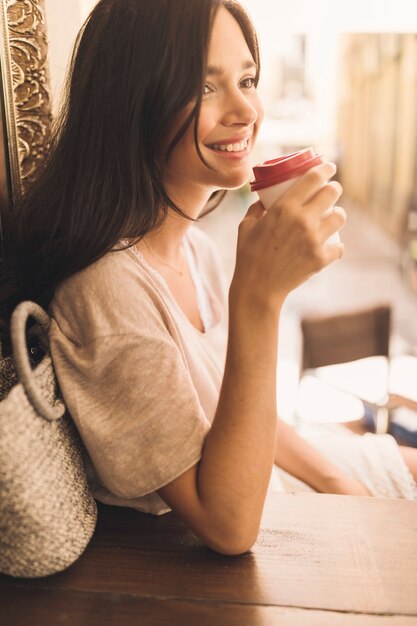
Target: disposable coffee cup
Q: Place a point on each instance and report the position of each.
(275, 177)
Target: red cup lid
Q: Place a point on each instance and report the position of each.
(283, 168)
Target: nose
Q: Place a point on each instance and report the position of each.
(239, 110)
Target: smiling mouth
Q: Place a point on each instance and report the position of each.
(230, 147)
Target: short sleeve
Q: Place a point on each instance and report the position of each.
(135, 406)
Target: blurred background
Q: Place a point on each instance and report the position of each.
(341, 77)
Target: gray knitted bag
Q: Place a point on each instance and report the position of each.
(47, 512)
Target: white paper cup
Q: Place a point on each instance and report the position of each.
(275, 177)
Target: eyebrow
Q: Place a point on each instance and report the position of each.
(215, 70)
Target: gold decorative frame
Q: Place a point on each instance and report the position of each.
(26, 90)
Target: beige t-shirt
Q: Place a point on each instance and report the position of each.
(140, 381)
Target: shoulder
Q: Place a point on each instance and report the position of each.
(112, 296)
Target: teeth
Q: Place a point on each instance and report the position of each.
(231, 147)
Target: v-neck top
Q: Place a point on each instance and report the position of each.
(207, 315)
(204, 305)
(139, 379)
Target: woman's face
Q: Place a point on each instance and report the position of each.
(231, 113)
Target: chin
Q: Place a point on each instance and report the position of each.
(236, 182)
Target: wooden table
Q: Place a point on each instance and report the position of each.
(320, 560)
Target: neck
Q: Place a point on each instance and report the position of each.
(167, 240)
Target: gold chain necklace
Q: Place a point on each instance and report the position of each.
(176, 270)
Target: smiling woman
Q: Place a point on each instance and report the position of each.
(170, 380)
(229, 117)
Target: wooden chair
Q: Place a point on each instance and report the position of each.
(331, 339)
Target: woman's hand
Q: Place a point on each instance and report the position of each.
(280, 248)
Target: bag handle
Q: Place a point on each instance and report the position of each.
(20, 316)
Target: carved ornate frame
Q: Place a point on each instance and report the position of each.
(26, 91)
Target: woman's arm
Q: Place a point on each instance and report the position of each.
(297, 457)
(222, 497)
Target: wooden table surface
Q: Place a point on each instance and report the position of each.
(320, 560)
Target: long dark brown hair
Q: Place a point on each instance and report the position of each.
(135, 67)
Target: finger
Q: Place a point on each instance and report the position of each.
(255, 211)
(332, 222)
(310, 183)
(333, 253)
(325, 198)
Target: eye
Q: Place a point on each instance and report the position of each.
(248, 83)
(208, 88)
